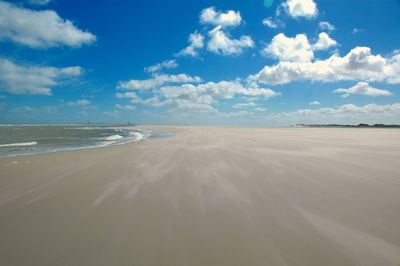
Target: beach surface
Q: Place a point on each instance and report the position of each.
(208, 196)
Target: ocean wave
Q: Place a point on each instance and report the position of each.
(83, 128)
(113, 138)
(19, 144)
(137, 136)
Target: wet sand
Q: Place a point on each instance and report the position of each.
(209, 196)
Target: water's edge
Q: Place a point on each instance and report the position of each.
(30, 142)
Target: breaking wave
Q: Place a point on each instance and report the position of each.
(19, 144)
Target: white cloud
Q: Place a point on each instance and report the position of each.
(167, 64)
(156, 81)
(39, 29)
(315, 103)
(128, 95)
(80, 103)
(202, 97)
(218, 18)
(245, 105)
(125, 107)
(221, 90)
(133, 97)
(324, 42)
(358, 64)
(196, 42)
(297, 49)
(301, 8)
(19, 79)
(182, 98)
(271, 23)
(325, 25)
(356, 30)
(344, 114)
(362, 88)
(221, 43)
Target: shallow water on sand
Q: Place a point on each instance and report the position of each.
(35, 139)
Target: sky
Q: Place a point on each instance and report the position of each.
(256, 62)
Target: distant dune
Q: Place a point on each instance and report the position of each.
(340, 125)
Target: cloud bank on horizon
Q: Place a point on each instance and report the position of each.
(310, 69)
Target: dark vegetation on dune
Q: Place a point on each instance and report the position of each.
(357, 126)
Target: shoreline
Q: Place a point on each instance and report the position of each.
(111, 142)
(173, 129)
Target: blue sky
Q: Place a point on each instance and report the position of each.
(200, 62)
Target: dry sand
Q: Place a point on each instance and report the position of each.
(209, 196)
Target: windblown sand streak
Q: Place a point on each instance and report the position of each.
(209, 196)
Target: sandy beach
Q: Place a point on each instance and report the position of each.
(208, 196)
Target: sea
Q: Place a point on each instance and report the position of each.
(16, 140)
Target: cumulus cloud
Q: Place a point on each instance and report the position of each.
(28, 79)
(39, 29)
(221, 90)
(167, 64)
(324, 42)
(362, 88)
(315, 103)
(301, 8)
(218, 18)
(298, 48)
(183, 98)
(186, 93)
(183, 93)
(156, 81)
(131, 96)
(202, 97)
(325, 25)
(221, 43)
(358, 64)
(219, 40)
(344, 114)
(196, 42)
(283, 48)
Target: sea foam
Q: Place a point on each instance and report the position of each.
(137, 136)
(113, 137)
(19, 144)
